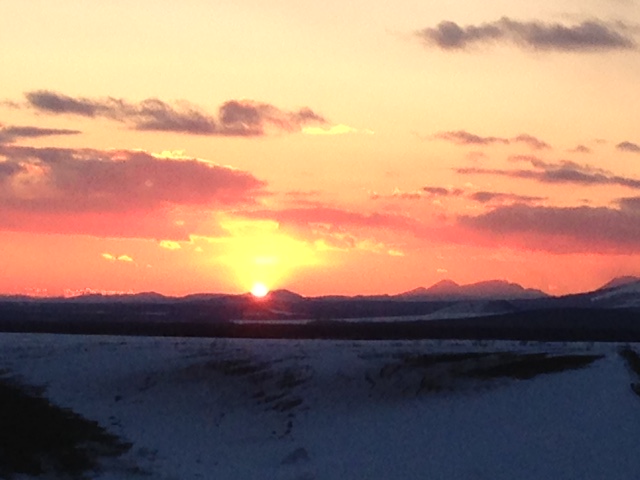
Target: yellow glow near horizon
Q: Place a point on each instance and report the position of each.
(259, 253)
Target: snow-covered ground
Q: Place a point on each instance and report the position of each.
(302, 410)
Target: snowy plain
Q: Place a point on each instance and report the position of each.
(202, 408)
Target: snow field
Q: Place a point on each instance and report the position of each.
(305, 410)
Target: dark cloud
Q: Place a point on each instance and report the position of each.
(587, 36)
(462, 137)
(235, 118)
(565, 172)
(531, 141)
(449, 35)
(241, 115)
(630, 203)
(156, 115)
(487, 197)
(58, 180)
(305, 115)
(480, 197)
(57, 103)
(442, 192)
(249, 118)
(628, 147)
(424, 192)
(9, 169)
(562, 229)
(12, 133)
(571, 175)
(581, 149)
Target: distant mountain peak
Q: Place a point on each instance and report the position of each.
(443, 287)
(285, 295)
(445, 284)
(448, 289)
(619, 282)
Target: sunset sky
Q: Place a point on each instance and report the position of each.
(330, 147)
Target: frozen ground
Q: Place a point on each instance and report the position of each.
(302, 410)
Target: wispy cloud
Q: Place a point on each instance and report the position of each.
(501, 197)
(9, 134)
(397, 194)
(484, 197)
(587, 36)
(581, 149)
(462, 137)
(442, 191)
(424, 192)
(565, 172)
(628, 147)
(243, 118)
(531, 141)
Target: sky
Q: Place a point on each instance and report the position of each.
(333, 147)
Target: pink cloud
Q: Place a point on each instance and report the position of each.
(114, 193)
(56, 179)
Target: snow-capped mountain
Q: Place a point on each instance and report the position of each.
(490, 289)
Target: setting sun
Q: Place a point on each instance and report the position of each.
(259, 290)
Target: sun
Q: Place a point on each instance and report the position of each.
(259, 290)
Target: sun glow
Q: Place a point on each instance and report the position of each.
(259, 290)
(259, 250)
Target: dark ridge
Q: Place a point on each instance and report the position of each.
(526, 366)
(550, 321)
(632, 359)
(38, 438)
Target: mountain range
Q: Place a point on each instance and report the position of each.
(491, 289)
(444, 290)
(494, 309)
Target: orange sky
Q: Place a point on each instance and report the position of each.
(324, 147)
